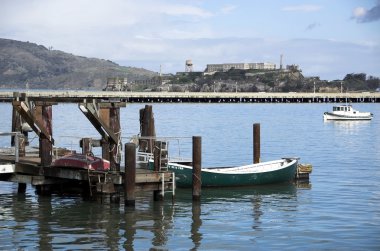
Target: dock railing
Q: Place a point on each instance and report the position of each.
(179, 146)
(15, 150)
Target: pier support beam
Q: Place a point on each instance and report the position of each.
(46, 146)
(197, 166)
(21, 188)
(256, 143)
(105, 117)
(114, 123)
(16, 124)
(130, 174)
(86, 144)
(147, 129)
(157, 194)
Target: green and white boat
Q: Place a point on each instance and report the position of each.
(271, 172)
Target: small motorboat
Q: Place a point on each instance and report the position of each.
(346, 112)
(82, 161)
(270, 172)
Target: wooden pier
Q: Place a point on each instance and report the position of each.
(37, 168)
(195, 97)
(28, 170)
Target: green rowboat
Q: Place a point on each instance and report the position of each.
(270, 172)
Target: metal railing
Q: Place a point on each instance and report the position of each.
(16, 136)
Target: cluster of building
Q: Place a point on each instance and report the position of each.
(239, 66)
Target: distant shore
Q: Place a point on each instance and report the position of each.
(195, 97)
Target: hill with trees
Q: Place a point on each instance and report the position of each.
(24, 63)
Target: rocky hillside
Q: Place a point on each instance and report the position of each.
(42, 68)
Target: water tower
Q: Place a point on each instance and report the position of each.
(189, 65)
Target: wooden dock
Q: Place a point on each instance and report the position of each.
(62, 96)
(29, 171)
(38, 169)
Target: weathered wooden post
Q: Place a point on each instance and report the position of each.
(197, 166)
(86, 144)
(16, 124)
(130, 174)
(147, 129)
(46, 146)
(105, 117)
(114, 123)
(256, 143)
(157, 194)
(157, 156)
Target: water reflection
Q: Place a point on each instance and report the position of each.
(162, 223)
(196, 236)
(349, 125)
(71, 223)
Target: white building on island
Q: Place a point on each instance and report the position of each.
(239, 66)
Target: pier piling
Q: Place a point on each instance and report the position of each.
(147, 129)
(114, 123)
(21, 188)
(86, 144)
(197, 166)
(46, 146)
(157, 194)
(130, 174)
(256, 143)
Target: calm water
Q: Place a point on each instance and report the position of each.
(339, 210)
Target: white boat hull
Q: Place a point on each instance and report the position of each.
(331, 116)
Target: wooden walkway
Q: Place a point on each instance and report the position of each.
(194, 97)
(28, 170)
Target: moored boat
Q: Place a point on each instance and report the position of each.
(270, 172)
(82, 161)
(346, 112)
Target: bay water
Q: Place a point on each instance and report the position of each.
(338, 210)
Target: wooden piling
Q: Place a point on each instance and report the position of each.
(256, 143)
(86, 144)
(46, 146)
(147, 129)
(157, 194)
(16, 124)
(21, 188)
(197, 166)
(130, 174)
(114, 123)
(104, 115)
(22, 140)
(157, 156)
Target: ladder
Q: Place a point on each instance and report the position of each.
(104, 186)
(170, 182)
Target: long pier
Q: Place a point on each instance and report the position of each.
(72, 96)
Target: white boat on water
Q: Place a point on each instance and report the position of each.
(346, 112)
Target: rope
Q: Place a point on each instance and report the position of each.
(194, 175)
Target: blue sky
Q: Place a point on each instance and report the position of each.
(326, 38)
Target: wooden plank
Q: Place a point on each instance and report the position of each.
(90, 111)
(35, 124)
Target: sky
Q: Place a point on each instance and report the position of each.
(326, 38)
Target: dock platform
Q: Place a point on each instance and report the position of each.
(29, 171)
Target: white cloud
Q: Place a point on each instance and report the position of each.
(359, 12)
(362, 15)
(228, 9)
(302, 8)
